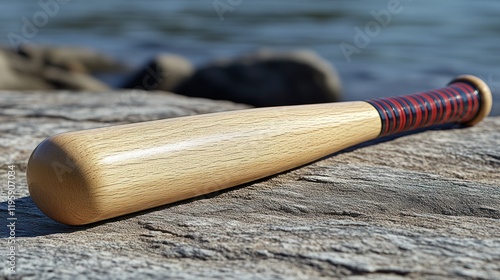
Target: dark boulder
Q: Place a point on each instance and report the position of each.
(266, 79)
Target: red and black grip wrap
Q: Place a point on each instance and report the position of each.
(460, 102)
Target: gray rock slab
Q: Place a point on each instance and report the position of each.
(424, 205)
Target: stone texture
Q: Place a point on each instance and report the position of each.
(424, 205)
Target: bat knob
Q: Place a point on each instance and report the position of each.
(484, 95)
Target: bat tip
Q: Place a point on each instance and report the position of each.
(56, 186)
(484, 94)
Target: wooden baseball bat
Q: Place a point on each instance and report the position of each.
(87, 176)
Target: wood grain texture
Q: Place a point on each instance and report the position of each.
(87, 176)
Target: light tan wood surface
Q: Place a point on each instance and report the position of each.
(87, 176)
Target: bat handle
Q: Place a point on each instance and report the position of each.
(466, 100)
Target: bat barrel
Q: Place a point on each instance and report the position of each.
(467, 100)
(87, 176)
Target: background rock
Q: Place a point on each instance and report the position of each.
(424, 205)
(68, 80)
(14, 78)
(46, 68)
(164, 72)
(266, 78)
(76, 59)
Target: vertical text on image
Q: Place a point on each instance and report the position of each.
(11, 218)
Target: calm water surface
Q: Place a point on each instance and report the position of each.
(423, 45)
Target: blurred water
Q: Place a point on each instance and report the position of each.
(424, 45)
